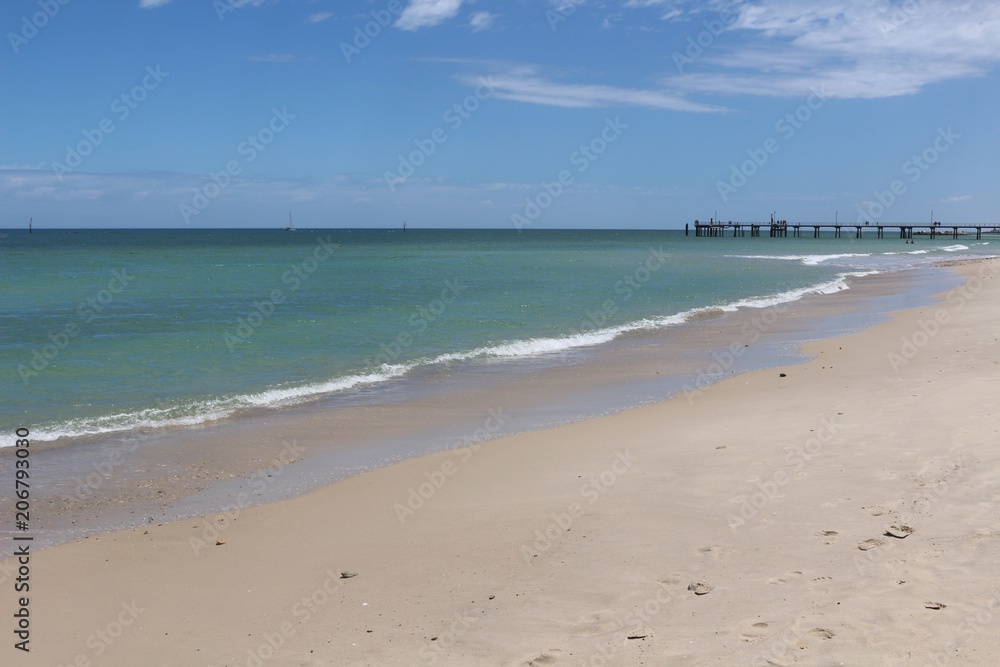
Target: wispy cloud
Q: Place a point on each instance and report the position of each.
(668, 7)
(319, 17)
(152, 4)
(23, 167)
(482, 21)
(273, 58)
(240, 4)
(427, 13)
(956, 200)
(46, 186)
(525, 83)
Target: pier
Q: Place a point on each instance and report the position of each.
(783, 228)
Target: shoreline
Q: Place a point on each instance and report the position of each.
(744, 526)
(578, 341)
(167, 475)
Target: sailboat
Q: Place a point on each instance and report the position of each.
(291, 225)
(404, 225)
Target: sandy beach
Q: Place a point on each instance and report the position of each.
(836, 512)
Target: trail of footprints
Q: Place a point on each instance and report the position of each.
(760, 631)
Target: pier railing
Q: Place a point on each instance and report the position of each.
(783, 228)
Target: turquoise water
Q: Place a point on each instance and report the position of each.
(108, 330)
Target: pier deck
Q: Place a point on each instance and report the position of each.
(783, 229)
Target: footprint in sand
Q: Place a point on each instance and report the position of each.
(786, 578)
(598, 622)
(820, 585)
(899, 530)
(715, 551)
(828, 536)
(822, 633)
(757, 633)
(672, 580)
(700, 588)
(875, 510)
(549, 657)
(873, 543)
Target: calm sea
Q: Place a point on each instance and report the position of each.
(111, 330)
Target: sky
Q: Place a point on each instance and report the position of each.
(527, 114)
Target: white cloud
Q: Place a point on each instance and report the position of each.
(427, 13)
(152, 4)
(855, 49)
(848, 49)
(482, 21)
(319, 17)
(956, 200)
(525, 84)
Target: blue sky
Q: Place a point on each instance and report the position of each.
(527, 113)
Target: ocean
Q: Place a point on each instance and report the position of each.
(110, 331)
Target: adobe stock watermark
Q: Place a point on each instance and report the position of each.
(248, 149)
(223, 7)
(560, 11)
(782, 647)
(263, 309)
(259, 480)
(302, 611)
(104, 637)
(915, 168)
(592, 490)
(632, 627)
(419, 322)
(898, 15)
(724, 361)
(630, 283)
(769, 489)
(364, 34)
(972, 625)
(30, 26)
(454, 116)
(713, 28)
(433, 648)
(463, 451)
(877, 549)
(121, 108)
(911, 345)
(112, 458)
(786, 126)
(581, 158)
(86, 311)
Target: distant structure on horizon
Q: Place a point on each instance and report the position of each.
(779, 228)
